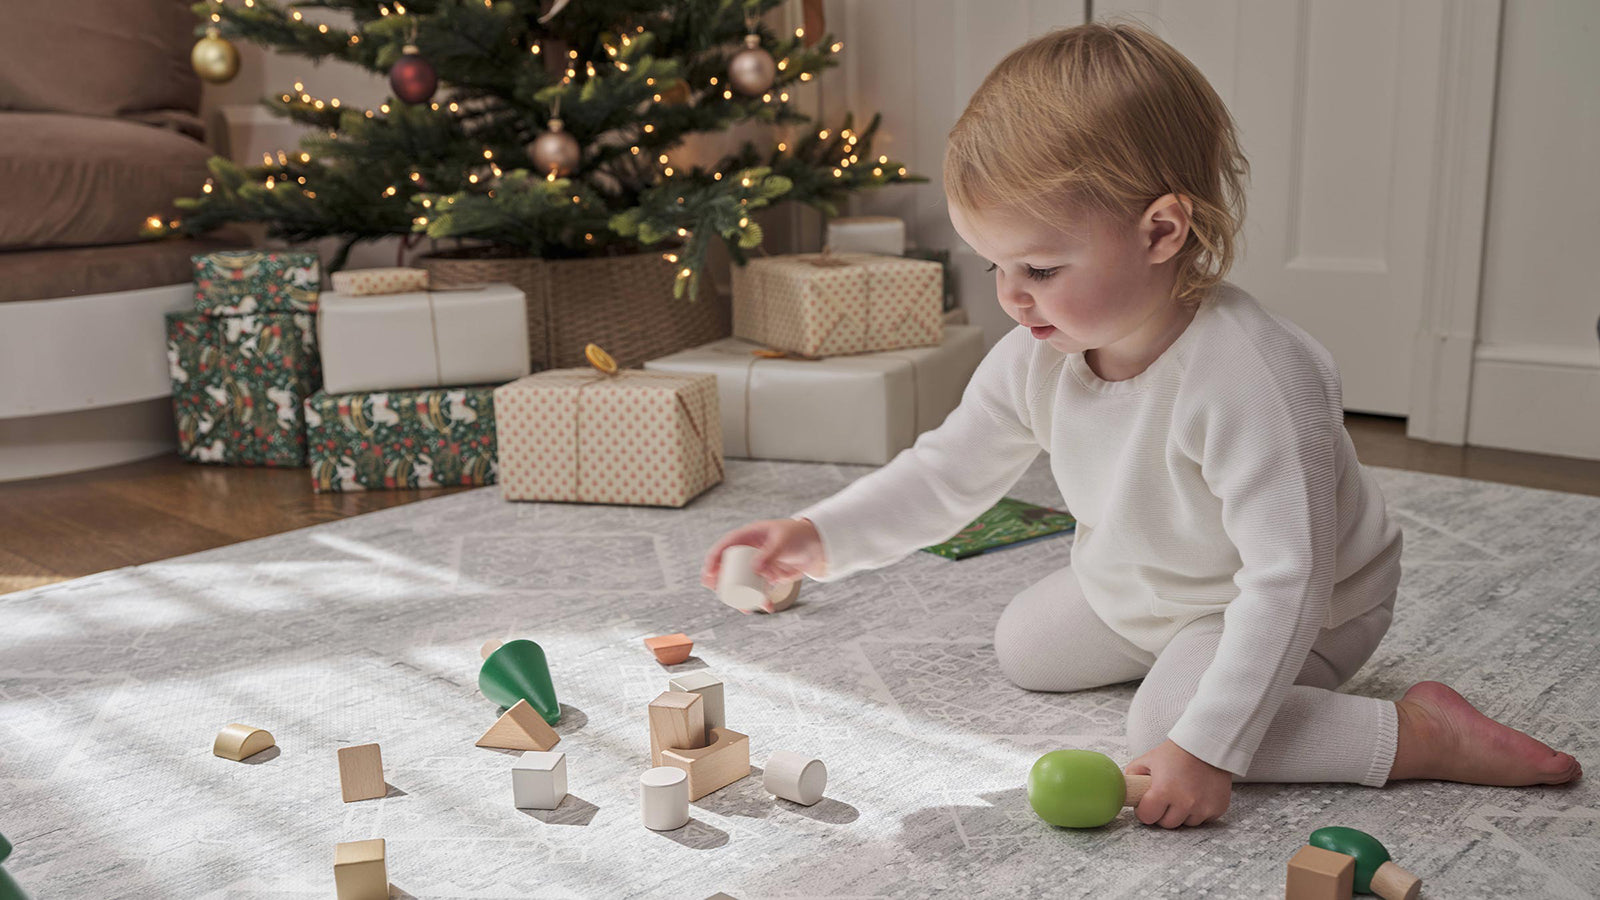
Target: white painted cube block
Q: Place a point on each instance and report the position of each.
(539, 780)
(709, 687)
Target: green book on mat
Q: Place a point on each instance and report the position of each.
(1006, 524)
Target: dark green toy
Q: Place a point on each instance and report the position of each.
(517, 671)
(1375, 873)
(9, 890)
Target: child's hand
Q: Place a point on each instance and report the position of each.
(1183, 789)
(790, 548)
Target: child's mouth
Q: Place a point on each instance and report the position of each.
(1042, 331)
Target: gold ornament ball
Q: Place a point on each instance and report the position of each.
(752, 70)
(555, 151)
(215, 58)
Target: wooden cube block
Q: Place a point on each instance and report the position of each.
(539, 780)
(238, 742)
(1318, 874)
(712, 768)
(677, 719)
(709, 687)
(521, 728)
(361, 870)
(361, 773)
(670, 649)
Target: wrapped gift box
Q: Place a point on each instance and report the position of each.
(422, 340)
(818, 304)
(578, 435)
(238, 282)
(238, 383)
(401, 439)
(846, 409)
(393, 280)
(884, 235)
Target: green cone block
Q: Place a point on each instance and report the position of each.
(518, 671)
(1369, 853)
(9, 889)
(1076, 788)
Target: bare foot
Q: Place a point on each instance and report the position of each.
(1445, 738)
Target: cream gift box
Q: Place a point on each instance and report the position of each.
(885, 235)
(422, 339)
(820, 304)
(846, 409)
(579, 435)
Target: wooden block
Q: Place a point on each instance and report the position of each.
(1394, 883)
(677, 719)
(712, 768)
(670, 649)
(795, 777)
(709, 687)
(238, 742)
(1318, 874)
(361, 772)
(361, 870)
(489, 646)
(539, 780)
(521, 728)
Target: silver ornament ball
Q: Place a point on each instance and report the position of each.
(752, 71)
(555, 151)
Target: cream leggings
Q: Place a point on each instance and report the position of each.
(1049, 639)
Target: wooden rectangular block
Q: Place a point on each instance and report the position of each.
(1318, 874)
(361, 870)
(709, 687)
(712, 768)
(677, 719)
(361, 772)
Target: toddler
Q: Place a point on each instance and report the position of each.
(1230, 550)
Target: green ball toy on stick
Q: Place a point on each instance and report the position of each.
(1375, 873)
(1081, 788)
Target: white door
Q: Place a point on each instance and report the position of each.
(1342, 114)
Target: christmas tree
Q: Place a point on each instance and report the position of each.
(546, 129)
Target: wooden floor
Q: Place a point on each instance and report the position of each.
(54, 529)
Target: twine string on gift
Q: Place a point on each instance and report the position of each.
(433, 332)
(577, 429)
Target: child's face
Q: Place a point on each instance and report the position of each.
(1091, 283)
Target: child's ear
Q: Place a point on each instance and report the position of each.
(1165, 226)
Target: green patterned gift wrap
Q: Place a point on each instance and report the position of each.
(1006, 524)
(240, 282)
(238, 383)
(401, 439)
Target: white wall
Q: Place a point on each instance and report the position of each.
(1536, 370)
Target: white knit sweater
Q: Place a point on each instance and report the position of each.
(1219, 480)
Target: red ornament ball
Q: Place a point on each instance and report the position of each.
(412, 78)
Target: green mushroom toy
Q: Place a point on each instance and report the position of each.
(1375, 874)
(516, 670)
(1081, 788)
(9, 890)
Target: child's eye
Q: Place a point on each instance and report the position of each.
(1035, 274)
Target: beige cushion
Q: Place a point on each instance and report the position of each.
(75, 271)
(98, 57)
(77, 180)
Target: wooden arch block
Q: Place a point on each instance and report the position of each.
(238, 742)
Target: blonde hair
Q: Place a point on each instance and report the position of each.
(1105, 118)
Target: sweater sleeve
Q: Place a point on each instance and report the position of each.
(1270, 439)
(947, 478)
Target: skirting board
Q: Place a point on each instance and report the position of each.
(37, 446)
(1537, 399)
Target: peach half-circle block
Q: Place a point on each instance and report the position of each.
(238, 742)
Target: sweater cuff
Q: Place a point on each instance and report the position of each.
(828, 557)
(1209, 750)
